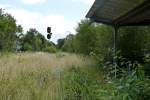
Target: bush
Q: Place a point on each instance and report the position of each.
(131, 83)
(27, 47)
(50, 49)
(81, 86)
(129, 87)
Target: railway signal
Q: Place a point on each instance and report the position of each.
(49, 33)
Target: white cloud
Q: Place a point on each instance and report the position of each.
(60, 25)
(29, 2)
(87, 2)
(5, 6)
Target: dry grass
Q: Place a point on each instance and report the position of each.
(35, 76)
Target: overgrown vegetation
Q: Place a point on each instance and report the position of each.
(88, 74)
(82, 86)
(132, 42)
(131, 69)
(21, 79)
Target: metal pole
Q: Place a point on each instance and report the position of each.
(115, 49)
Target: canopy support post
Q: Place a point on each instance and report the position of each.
(115, 48)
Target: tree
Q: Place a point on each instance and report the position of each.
(69, 43)
(19, 38)
(85, 37)
(90, 38)
(8, 29)
(60, 43)
(33, 40)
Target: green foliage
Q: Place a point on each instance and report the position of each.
(97, 39)
(90, 39)
(132, 86)
(60, 43)
(69, 43)
(27, 47)
(34, 41)
(132, 42)
(12, 37)
(8, 29)
(86, 37)
(104, 44)
(50, 49)
(126, 89)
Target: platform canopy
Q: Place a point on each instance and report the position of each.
(121, 12)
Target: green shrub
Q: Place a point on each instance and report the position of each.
(27, 47)
(129, 87)
(81, 86)
(50, 49)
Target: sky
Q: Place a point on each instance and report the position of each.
(61, 15)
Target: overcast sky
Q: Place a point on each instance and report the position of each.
(61, 15)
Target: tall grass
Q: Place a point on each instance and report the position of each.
(36, 76)
(63, 76)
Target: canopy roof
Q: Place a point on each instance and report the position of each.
(120, 12)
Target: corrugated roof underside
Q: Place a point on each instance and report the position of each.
(110, 10)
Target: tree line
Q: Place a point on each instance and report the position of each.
(133, 43)
(13, 39)
(90, 39)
